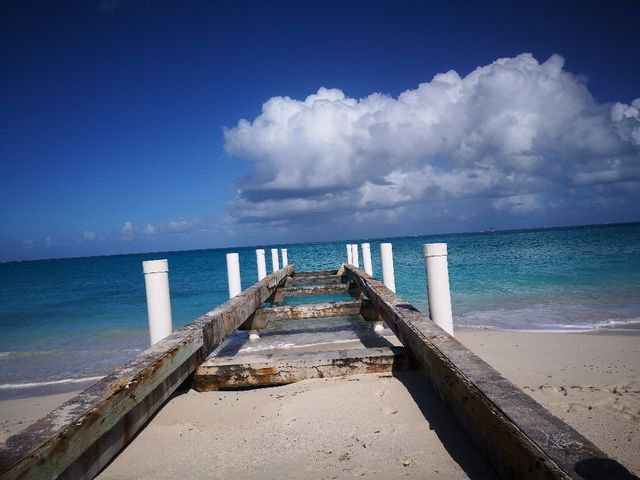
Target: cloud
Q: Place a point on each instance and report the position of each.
(149, 229)
(176, 227)
(89, 235)
(516, 136)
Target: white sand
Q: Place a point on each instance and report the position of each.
(377, 427)
(591, 381)
(369, 426)
(17, 414)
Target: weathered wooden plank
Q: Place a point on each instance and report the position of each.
(264, 315)
(319, 290)
(314, 279)
(271, 370)
(520, 437)
(315, 273)
(77, 439)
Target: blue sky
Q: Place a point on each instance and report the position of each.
(121, 122)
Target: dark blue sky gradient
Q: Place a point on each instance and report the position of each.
(113, 111)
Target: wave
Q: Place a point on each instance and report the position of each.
(40, 353)
(64, 381)
(608, 325)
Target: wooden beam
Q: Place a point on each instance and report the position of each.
(80, 437)
(318, 290)
(271, 370)
(315, 279)
(264, 315)
(520, 437)
(316, 273)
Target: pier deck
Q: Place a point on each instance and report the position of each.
(298, 317)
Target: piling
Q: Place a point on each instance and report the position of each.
(275, 262)
(354, 255)
(156, 282)
(233, 274)
(438, 292)
(386, 258)
(262, 263)
(349, 254)
(285, 258)
(366, 258)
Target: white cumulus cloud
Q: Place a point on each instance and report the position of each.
(516, 135)
(89, 235)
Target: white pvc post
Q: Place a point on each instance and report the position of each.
(349, 254)
(366, 258)
(354, 255)
(262, 263)
(285, 258)
(438, 293)
(233, 274)
(156, 283)
(386, 257)
(275, 261)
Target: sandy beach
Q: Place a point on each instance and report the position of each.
(391, 426)
(591, 381)
(368, 426)
(377, 426)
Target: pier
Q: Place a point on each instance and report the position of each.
(517, 436)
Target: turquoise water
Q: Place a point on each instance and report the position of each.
(78, 318)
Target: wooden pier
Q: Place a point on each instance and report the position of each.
(519, 437)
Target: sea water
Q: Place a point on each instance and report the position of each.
(74, 319)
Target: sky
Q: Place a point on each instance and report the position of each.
(136, 126)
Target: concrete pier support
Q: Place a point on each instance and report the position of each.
(285, 258)
(366, 258)
(156, 282)
(388, 275)
(233, 274)
(262, 263)
(438, 291)
(349, 254)
(275, 261)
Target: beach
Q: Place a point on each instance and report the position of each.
(591, 381)
(371, 425)
(390, 426)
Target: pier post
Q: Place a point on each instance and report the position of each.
(156, 282)
(262, 263)
(285, 258)
(275, 261)
(349, 254)
(438, 292)
(388, 275)
(354, 254)
(233, 274)
(366, 258)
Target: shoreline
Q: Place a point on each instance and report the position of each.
(591, 380)
(46, 388)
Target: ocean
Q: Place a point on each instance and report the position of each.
(67, 322)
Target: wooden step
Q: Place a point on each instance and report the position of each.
(264, 315)
(280, 369)
(316, 273)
